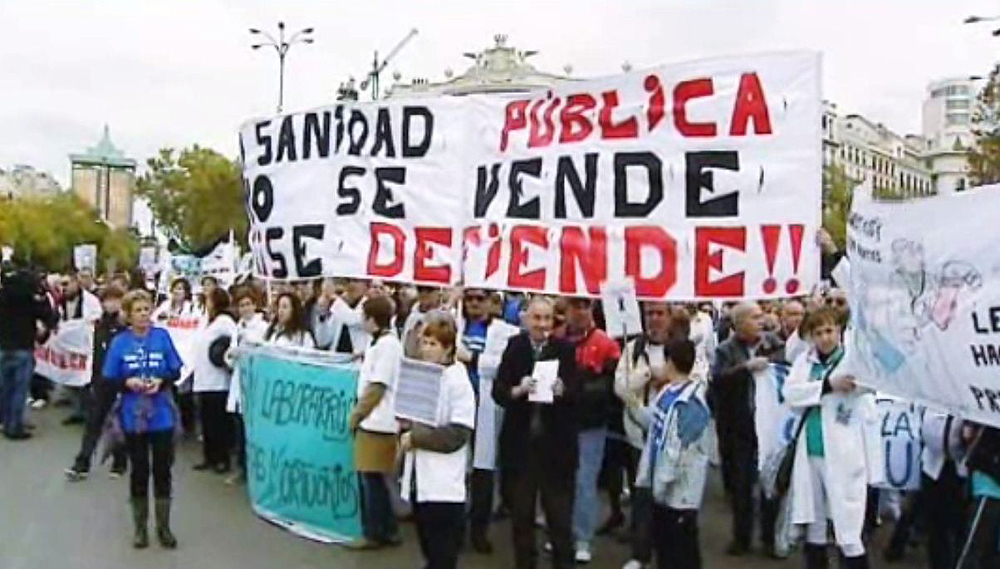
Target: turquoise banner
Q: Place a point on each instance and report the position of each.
(300, 453)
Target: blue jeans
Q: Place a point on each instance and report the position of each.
(586, 505)
(16, 368)
(378, 520)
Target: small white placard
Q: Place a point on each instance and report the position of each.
(418, 396)
(545, 374)
(621, 309)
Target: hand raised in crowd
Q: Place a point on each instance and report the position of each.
(135, 384)
(843, 383)
(526, 386)
(406, 442)
(825, 241)
(558, 387)
(152, 386)
(462, 354)
(757, 364)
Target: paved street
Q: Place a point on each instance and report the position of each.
(46, 522)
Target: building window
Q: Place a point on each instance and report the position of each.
(956, 119)
(953, 104)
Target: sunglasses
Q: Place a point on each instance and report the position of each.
(836, 302)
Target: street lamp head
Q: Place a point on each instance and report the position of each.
(307, 31)
(307, 40)
(972, 20)
(281, 25)
(996, 32)
(255, 46)
(254, 31)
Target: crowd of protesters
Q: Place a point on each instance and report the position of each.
(641, 420)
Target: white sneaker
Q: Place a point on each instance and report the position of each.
(633, 564)
(547, 547)
(38, 404)
(583, 553)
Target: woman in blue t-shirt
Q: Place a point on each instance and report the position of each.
(142, 360)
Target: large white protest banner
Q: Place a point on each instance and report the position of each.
(66, 357)
(925, 300)
(695, 180)
(358, 190)
(774, 420)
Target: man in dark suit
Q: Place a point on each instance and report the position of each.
(538, 441)
(745, 352)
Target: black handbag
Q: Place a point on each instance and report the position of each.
(783, 478)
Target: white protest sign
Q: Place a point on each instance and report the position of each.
(925, 300)
(364, 190)
(148, 261)
(66, 358)
(418, 396)
(85, 257)
(545, 374)
(183, 329)
(901, 443)
(621, 309)
(697, 180)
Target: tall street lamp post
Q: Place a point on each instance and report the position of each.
(281, 47)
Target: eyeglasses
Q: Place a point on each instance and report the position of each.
(474, 298)
(838, 302)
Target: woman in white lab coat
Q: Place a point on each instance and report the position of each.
(837, 454)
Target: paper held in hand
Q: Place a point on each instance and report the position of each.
(545, 374)
(419, 394)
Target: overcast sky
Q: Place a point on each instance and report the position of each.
(173, 73)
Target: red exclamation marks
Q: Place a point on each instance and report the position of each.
(771, 234)
(796, 232)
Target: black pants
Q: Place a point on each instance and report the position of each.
(740, 468)
(557, 489)
(481, 485)
(620, 460)
(439, 528)
(98, 400)
(159, 444)
(186, 407)
(239, 441)
(675, 535)
(642, 524)
(216, 427)
(944, 504)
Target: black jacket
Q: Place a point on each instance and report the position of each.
(22, 306)
(556, 445)
(732, 392)
(104, 331)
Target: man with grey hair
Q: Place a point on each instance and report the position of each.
(745, 352)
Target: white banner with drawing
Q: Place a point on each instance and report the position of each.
(925, 300)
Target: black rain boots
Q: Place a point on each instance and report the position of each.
(163, 532)
(140, 516)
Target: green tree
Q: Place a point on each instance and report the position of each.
(43, 232)
(984, 157)
(838, 189)
(196, 195)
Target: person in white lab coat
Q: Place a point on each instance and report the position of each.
(212, 375)
(838, 450)
(436, 456)
(251, 327)
(482, 341)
